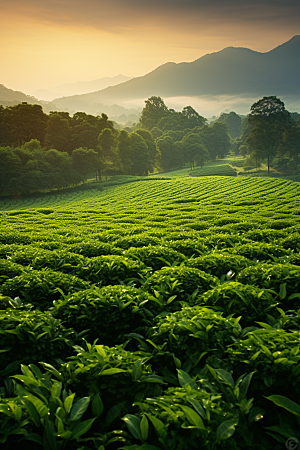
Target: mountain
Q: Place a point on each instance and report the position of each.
(80, 87)
(8, 97)
(231, 71)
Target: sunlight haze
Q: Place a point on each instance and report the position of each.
(44, 44)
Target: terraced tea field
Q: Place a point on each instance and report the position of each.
(159, 314)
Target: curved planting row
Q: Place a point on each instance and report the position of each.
(158, 317)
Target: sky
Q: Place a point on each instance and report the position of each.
(44, 43)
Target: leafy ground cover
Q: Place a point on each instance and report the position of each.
(159, 314)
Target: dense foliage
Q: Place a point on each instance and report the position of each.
(158, 315)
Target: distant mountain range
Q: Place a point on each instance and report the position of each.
(238, 74)
(81, 87)
(122, 115)
(231, 71)
(8, 97)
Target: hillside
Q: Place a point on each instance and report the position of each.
(80, 87)
(161, 312)
(231, 71)
(9, 97)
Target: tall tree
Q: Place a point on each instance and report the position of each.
(152, 147)
(58, 133)
(154, 110)
(124, 150)
(84, 161)
(268, 118)
(194, 150)
(233, 122)
(141, 161)
(106, 144)
(216, 139)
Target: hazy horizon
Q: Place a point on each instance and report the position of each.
(44, 44)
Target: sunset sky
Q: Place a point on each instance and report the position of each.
(44, 43)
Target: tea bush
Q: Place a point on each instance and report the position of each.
(108, 313)
(41, 287)
(219, 264)
(194, 332)
(111, 269)
(188, 247)
(251, 302)
(274, 355)
(119, 375)
(93, 248)
(283, 279)
(30, 337)
(180, 281)
(261, 251)
(9, 269)
(155, 256)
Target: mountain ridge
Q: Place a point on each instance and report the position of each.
(230, 71)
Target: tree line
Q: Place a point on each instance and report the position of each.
(50, 151)
(40, 151)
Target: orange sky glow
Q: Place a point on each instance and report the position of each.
(43, 44)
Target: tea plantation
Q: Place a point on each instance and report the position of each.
(159, 314)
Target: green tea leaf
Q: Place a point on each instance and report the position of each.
(79, 408)
(68, 403)
(226, 429)
(97, 405)
(133, 424)
(144, 428)
(193, 418)
(185, 379)
(285, 403)
(82, 427)
(112, 371)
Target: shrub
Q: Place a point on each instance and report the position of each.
(261, 251)
(274, 355)
(180, 281)
(42, 287)
(188, 247)
(251, 302)
(32, 336)
(219, 264)
(193, 332)
(111, 269)
(283, 279)
(139, 240)
(120, 376)
(155, 256)
(93, 248)
(108, 313)
(292, 241)
(9, 269)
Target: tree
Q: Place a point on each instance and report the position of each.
(152, 147)
(195, 150)
(141, 161)
(216, 139)
(166, 148)
(233, 122)
(106, 143)
(268, 118)
(58, 133)
(154, 110)
(84, 161)
(124, 151)
(193, 119)
(23, 122)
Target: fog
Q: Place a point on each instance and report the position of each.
(214, 105)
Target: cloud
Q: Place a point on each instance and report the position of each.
(123, 16)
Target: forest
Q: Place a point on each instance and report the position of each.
(42, 151)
